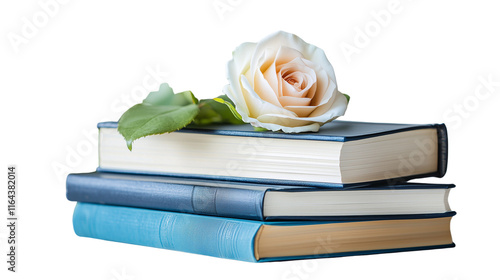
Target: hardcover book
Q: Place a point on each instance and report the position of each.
(341, 154)
(258, 201)
(256, 241)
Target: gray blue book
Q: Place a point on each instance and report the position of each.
(259, 201)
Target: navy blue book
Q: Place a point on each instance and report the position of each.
(341, 154)
(259, 201)
(256, 241)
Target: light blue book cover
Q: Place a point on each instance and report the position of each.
(212, 236)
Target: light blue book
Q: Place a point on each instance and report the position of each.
(259, 241)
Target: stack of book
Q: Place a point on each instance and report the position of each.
(236, 193)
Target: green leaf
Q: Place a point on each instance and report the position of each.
(225, 100)
(190, 96)
(162, 96)
(347, 96)
(215, 112)
(161, 112)
(142, 120)
(256, 128)
(165, 96)
(207, 114)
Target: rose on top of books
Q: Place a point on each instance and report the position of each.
(281, 84)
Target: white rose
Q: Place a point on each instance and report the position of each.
(283, 83)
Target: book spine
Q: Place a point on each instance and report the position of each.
(442, 149)
(211, 236)
(215, 201)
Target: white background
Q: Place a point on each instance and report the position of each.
(65, 67)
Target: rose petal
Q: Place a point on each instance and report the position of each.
(289, 90)
(286, 125)
(256, 105)
(301, 111)
(281, 120)
(286, 54)
(294, 101)
(297, 77)
(300, 127)
(308, 51)
(235, 67)
(334, 108)
(295, 90)
(264, 90)
(322, 82)
(283, 55)
(302, 73)
(312, 127)
(260, 62)
(320, 100)
(233, 90)
(242, 56)
(271, 78)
